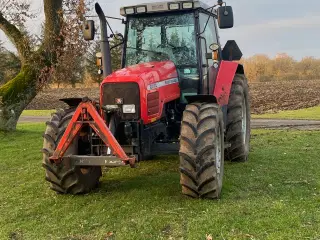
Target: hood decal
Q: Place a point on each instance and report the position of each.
(162, 83)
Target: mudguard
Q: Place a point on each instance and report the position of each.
(222, 88)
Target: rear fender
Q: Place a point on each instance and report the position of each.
(222, 88)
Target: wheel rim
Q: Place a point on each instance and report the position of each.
(218, 152)
(244, 121)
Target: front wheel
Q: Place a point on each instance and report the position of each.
(65, 178)
(202, 151)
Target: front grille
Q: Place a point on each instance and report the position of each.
(129, 92)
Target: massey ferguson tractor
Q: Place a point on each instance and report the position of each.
(178, 92)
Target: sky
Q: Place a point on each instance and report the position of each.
(261, 26)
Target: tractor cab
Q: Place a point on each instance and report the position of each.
(184, 32)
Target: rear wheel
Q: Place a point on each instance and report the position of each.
(65, 178)
(238, 120)
(202, 150)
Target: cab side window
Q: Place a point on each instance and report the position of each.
(208, 36)
(208, 32)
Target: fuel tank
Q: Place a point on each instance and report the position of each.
(148, 86)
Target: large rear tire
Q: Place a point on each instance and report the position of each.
(65, 178)
(238, 120)
(202, 150)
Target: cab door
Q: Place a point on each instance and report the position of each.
(207, 36)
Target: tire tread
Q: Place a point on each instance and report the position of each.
(199, 178)
(64, 178)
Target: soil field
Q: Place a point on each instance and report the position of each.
(287, 95)
(265, 97)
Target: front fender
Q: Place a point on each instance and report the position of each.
(222, 88)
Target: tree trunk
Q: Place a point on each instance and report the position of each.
(15, 96)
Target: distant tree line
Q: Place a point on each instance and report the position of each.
(261, 68)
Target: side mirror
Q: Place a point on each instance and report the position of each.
(88, 30)
(225, 17)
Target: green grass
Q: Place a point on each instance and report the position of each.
(273, 196)
(307, 113)
(38, 113)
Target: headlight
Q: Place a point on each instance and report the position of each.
(129, 108)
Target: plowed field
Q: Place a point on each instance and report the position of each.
(265, 97)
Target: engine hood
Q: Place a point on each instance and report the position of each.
(144, 73)
(158, 85)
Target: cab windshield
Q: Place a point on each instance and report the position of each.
(160, 38)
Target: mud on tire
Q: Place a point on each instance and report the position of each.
(202, 151)
(65, 178)
(238, 120)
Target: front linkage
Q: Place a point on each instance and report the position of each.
(88, 114)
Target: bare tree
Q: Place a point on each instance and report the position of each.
(70, 67)
(37, 63)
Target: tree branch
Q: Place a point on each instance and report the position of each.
(16, 37)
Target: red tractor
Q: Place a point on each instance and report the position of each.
(178, 92)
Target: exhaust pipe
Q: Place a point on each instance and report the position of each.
(104, 45)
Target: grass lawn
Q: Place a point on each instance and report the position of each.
(38, 113)
(276, 195)
(307, 113)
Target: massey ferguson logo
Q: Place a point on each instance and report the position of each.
(162, 84)
(119, 100)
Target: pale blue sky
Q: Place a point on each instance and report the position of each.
(261, 26)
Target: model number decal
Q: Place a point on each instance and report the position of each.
(163, 83)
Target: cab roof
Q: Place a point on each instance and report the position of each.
(166, 6)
